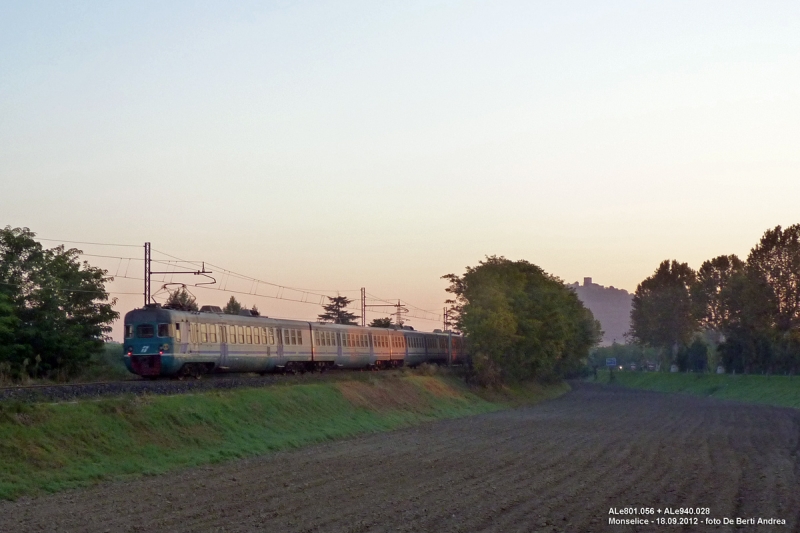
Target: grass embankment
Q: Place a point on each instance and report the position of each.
(51, 447)
(782, 391)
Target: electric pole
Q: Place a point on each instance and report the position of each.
(146, 273)
(363, 306)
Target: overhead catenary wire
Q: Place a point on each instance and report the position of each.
(174, 262)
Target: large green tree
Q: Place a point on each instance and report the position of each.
(520, 322)
(336, 311)
(662, 311)
(710, 289)
(381, 323)
(762, 307)
(55, 305)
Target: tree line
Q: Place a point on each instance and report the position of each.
(746, 311)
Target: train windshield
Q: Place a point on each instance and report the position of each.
(163, 330)
(145, 331)
(128, 331)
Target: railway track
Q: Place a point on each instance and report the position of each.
(59, 392)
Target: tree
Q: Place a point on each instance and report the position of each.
(520, 322)
(381, 323)
(336, 311)
(776, 261)
(60, 311)
(762, 303)
(181, 299)
(232, 307)
(662, 312)
(708, 292)
(254, 311)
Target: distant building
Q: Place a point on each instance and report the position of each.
(611, 306)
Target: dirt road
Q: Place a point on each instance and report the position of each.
(558, 466)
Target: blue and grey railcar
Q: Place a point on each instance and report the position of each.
(167, 342)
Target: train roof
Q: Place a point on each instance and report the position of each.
(159, 313)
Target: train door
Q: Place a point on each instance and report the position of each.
(223, 348)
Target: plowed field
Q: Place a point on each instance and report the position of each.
(558, 466)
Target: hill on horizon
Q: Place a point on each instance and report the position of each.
(609, 305)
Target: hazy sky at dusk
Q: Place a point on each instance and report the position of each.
(338, 145)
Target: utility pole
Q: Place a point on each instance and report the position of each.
(363, 306)
(446, 322)
(146, 273)
(398, 313)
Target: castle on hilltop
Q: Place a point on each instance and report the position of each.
(609, 305)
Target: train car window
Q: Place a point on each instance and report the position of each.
(212, 333)
(240, 334)
(144, 331)
(316, 338)
(203, 333)
(300, 337)
(223, 334)
(256, 336)
(128, 331)
(326, 336)
(177, 332)
(248, 335)
(231, 334)
(271, 332)
(344, 340)
(163, 330)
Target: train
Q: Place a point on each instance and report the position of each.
(164, 342)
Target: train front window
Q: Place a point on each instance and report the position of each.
(163, 330)
(128, 331)
(145, 331)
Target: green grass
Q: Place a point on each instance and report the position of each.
(783, 391)
(51, 447)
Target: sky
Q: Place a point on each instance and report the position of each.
(331, 146)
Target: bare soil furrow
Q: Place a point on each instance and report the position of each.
(558, 466)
